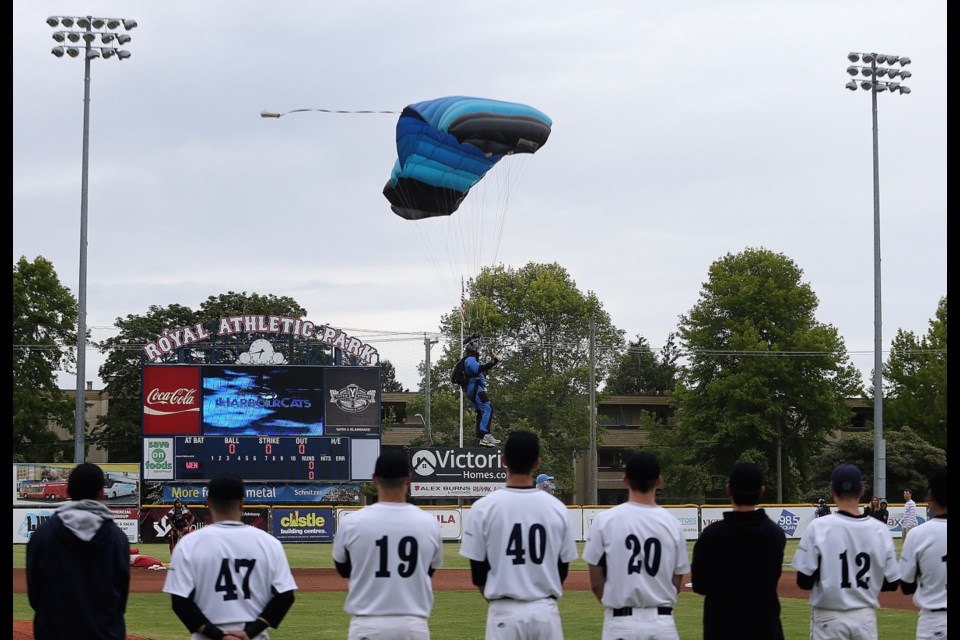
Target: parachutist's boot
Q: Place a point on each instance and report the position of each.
(488, 441)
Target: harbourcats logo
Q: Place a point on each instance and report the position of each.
(352, 398)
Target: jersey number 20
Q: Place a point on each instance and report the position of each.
(649, 559)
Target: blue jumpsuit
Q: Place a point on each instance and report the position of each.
(477, 392)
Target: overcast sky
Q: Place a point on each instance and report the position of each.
(682, 131)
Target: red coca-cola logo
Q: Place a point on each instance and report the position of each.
(181, 396)
(171, 400)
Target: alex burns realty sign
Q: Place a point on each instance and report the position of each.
(456, 472)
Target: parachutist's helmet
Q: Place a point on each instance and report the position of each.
(472, 343)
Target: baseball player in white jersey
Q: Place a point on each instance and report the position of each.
(923, 563)
(229, 579)
(520, 544)
(389, 551)
(637, 556)
(846, 559)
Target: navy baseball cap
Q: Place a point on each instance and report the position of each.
(846, 478)
(392, 464)
(642, 467)
(227, 487)
(543, 478)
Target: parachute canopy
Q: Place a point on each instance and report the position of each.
(446, 145)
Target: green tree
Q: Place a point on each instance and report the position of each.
(388, 378)
(119, 430)
(44, 327)
(910, 461)
(763, 377)
(538, 321)
(915, 376)
(639, 371)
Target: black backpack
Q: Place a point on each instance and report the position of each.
(458, 375)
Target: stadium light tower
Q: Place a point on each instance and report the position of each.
(877, 79)
(76, 36)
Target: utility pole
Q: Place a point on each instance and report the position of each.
(427, 343)
(592, 455)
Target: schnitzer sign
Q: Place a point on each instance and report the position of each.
(281, 325)
(454, 472)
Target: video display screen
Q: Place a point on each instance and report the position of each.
(259, 400)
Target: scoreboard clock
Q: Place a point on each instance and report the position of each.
(271, 458)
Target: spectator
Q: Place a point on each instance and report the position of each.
(909, 520)
(823, 509)
(389, 550)
(873, 508)
(883, 514)
(228, 578)
(78, 566)
(636, 581)
(545, 482)
(520, 544)
(737, 563)
(923, 562)
(845, 562)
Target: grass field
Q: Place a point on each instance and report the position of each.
(457, 615)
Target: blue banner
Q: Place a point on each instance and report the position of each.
(265, 493)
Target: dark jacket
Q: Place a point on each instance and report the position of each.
(78, 574)
(736, 564)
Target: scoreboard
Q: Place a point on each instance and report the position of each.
(269, 423)
(270, 458)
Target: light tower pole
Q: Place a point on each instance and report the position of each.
(877, 79)
(86, 29)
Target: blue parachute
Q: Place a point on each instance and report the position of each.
(445, 146)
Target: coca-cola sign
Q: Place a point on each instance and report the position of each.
(181, 396)
(171, 400)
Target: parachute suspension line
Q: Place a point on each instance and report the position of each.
(463, 314)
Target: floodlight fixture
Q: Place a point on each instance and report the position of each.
(905, 74)
(874, 85)
(853, 70)
(86, 23)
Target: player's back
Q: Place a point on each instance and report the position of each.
(924, 561)
(391, 547)
(644, 547)
(522, 533)
(231, 568)
(855, 554)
